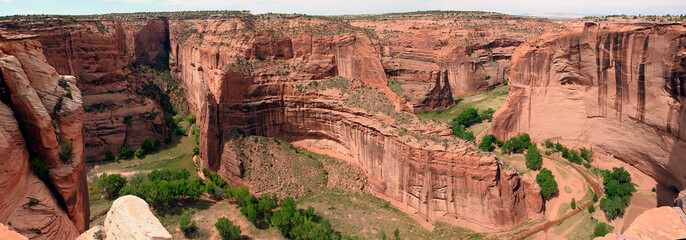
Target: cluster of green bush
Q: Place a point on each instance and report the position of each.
(296, 223)
(293, 223)
(618, 191)
(546, 181)
(159, 188)
(582, 156)
(487, 143)
(534, 159)
(227, 230)
(516, 144)
(467, 118)
(147, 147)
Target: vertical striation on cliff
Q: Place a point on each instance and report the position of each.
(615, 87)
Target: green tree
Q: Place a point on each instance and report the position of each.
(573, 204)
(187, 225)
(591, 208)
(618, 191)
(147, 146)
(267, 203)
(111, 184)
(109, 156)
(586, 154)
(533, 158)
(139, 153)
(549, 144)
(467, 118)
(250, 212)
(546, 181)
(601, 229)
(487, 114)
(196, 150)
(227, 230)
(125, 152)
(396, 233)
(487, 143)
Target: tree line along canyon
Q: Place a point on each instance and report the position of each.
(421, 125)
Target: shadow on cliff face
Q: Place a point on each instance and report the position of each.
(667, 190)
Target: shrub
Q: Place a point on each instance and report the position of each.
(108, 156)
(586, 154)
(467, 118)
(156, 144)
(591, 208)
(533, 158)
(187, 225)
(66, 151)
(111, 184)
(653, 190)
(190, 118)
(462, 133)
(39, 168)
(196, 150)
(227, 230)
(546, 181)
(601, 229)
(549, 144)
(595, 198)
(396, 234)
(147, 146)
(573, 204)
(125, 152)
(505, 81)
(139, 153)
(487, 143)
(487, 114)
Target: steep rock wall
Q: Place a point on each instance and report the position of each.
(41, 113)
(120, 110)
(617, 88)
(456, 179)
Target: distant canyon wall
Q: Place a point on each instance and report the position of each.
(457, 180)
(617, 88)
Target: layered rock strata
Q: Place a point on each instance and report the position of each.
(617, 88)
(286, 87)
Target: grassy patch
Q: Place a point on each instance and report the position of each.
(178, 154)
(562, 173)
(478, 128)
(365, 216)
(516, 161)
(481, 101)
(564, 207)
(395, 87)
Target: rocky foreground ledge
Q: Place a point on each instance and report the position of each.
(129, 218)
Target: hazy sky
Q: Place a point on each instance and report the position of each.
(335, 7)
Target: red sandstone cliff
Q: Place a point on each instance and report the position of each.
(256, 82)
(120, 110)
(40, 112)
(617, 88)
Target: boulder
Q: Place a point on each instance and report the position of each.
(130, 218)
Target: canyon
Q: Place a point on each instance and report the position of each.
(614, 87)
(345, 85)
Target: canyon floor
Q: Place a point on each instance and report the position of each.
(336, 188)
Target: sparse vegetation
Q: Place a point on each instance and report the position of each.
(66, 151)
(227, 230)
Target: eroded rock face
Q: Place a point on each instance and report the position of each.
(120, 107)
(434, 180)
(617, 88)
(41, 112)
(656, 223)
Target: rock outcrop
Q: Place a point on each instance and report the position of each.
(121, 109)
(617, 88)
(128, 218)
(42, 119)
(291, 88)
(656, 223)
